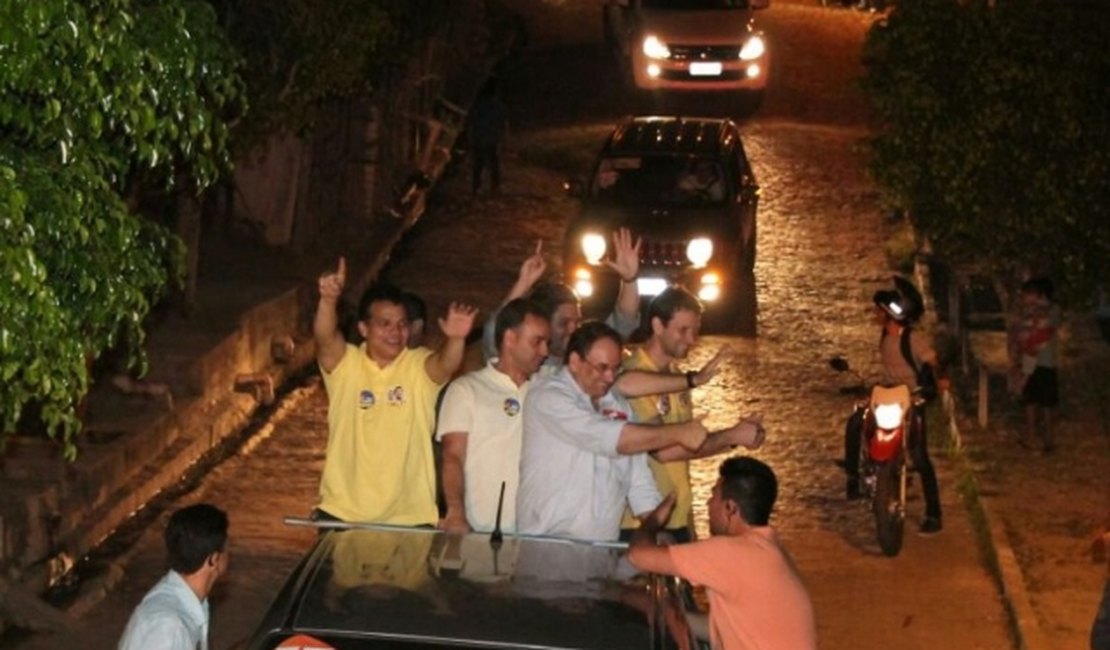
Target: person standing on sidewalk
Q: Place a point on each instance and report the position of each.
(756, 597)
(489, 123)
(174, 614)
(378, 466)
(675, 319)
(1037, 345)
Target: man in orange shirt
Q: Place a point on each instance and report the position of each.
(756, 598)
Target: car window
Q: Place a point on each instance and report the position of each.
(669, 180)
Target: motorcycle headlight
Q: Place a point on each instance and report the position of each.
(888, 416)
(699, 250)
(593, 247)
(655, 48)
(753, 49)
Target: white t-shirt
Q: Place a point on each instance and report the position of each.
(487, 406)
(171, 617)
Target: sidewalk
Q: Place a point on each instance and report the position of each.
(1044, 510)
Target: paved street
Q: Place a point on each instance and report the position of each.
(821, 255)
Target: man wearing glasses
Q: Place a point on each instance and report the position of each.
(582, 459)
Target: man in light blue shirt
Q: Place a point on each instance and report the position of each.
(174, 614)
(582, 460)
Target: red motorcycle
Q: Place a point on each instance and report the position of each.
(882, 423)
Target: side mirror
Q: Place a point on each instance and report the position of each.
(839, 364)
(574, 187)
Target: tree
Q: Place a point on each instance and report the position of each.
(97, 99)
(995, 132)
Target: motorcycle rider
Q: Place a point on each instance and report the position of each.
(907, 357)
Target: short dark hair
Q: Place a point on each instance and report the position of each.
(1039, 286)
(752, 486)
(415, 309)
(586, 335)
(380, 292)
(549, 296)
(194, 533)
(512, 314)
(672, 300)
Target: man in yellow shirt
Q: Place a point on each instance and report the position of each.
(378, 465)
(675, 319)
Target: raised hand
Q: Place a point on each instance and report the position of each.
(626, 255)
(710, 369)
(331, 283)
(533, 266)
(459, 320)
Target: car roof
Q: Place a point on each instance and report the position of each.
(429, 587)
(683, 135)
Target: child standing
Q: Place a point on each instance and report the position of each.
(1037, 343)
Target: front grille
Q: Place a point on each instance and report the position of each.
(682, 75)
(670, 254)
(704, 52)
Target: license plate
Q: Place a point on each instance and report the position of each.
(705, 68)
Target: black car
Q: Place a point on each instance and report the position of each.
(418, 589)
(684, 185)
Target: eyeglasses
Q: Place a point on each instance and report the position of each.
(603, 368)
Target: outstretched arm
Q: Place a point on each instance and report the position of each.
(637, 383)
(330, 344)
(643, 551)
(442, 364)
(748, 433)
(638, 438)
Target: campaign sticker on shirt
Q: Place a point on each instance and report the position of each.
(614, 414)
(365, 399)
(396, 395)
(511, 406)
(684, 399)
(663, 405)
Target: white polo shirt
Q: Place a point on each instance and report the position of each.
(573, 482)
(487, 406)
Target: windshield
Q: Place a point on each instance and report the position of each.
(688, 5)
(670, 180)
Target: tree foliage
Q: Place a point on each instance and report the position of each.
(95, 96)
(995, 124)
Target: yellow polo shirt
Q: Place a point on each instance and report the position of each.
(667, 408)
(379, 465)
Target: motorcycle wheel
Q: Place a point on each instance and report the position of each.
(889, 520)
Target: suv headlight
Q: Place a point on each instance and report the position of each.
(699, 250)
(753, 49)
(593, 247)
(655, 48)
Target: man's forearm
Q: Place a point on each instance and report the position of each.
(714, 444)
(453, 485)
(639, 438)
(637, 383)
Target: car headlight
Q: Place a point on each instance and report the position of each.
(699, 250)
(593, 247)
(753, 49)
(655, 48)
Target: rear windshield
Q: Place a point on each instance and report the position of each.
(689, 5)
(669, 180)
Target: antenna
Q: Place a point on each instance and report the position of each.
(495, 537)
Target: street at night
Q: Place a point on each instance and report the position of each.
(823, 250)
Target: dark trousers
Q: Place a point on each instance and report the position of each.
(486, 155)
(919, 455)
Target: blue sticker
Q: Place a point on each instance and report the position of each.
(511, 406)
(365, 399)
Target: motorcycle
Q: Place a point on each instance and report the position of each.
(882, 423)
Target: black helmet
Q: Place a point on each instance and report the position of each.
(904, 303)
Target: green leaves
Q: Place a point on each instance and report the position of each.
(995, 124)
(96, 97)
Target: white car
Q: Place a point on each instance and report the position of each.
(690, 45)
